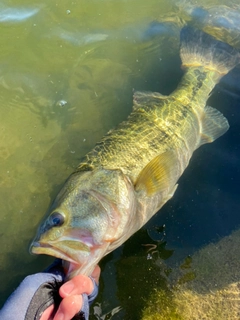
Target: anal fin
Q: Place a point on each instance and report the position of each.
(214, 125)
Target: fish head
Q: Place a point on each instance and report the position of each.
(89, 214)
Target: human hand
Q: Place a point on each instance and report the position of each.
(45, 296)
(76, 295)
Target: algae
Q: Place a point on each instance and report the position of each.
(208, 288)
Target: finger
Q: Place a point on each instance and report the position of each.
(76, 286)
(47, 314)
(68, 307)
(96, 274)
(79, 284)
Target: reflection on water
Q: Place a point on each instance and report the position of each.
(67, 73)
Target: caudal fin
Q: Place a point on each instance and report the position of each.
(200, 49)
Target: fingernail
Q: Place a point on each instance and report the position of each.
(68, 287)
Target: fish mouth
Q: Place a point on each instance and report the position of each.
(46, 248)
(70, 265)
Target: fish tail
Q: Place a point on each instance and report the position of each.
(200, 49)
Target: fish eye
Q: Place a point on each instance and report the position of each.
(56, 219)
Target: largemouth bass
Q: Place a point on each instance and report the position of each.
(133, 171)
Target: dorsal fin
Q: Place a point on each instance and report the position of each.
(214, 125)
(159, 174)
(147, 98)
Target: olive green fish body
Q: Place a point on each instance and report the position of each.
(133, 171)
(158, 123)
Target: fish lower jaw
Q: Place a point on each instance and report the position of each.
(86, 266)
(43, 248)
(71, 266)
(75, 263)
(73, 269)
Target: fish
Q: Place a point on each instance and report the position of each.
(134, 169)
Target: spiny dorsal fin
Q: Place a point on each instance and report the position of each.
(146, 98)
(159, 174)
(214, 125)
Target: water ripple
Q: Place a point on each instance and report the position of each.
(16, 14)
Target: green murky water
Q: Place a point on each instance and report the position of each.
(67, 73)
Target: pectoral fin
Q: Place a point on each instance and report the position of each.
(159, 174)
(214, 125)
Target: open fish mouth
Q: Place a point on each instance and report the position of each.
(71, 266)
(46, 248)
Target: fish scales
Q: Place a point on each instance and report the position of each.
(134, 170)
(151, 129)
(148, 132)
